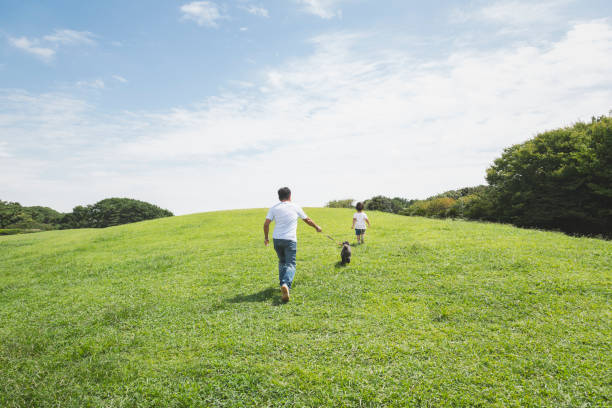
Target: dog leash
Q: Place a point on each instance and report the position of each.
(333, 240)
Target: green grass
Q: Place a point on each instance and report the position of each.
(185, 311)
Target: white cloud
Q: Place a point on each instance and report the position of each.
(202, 12)
(326, 9)
(120, 78)
(257, 10)
(95, 84)
(516, 13)
(244, 28)
(31, 47)
(4, 150)
(70, 37)
(405, 126)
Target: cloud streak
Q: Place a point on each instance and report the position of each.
(32, 47)
(46, 47)
(516, 14)
(70, 37)
(326, 9)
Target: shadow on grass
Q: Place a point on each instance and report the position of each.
(261, 296)
(339, 264)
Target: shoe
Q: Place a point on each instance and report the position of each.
(285, 293)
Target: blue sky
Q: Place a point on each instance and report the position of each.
(211, 105)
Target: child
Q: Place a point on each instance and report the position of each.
(359, 222)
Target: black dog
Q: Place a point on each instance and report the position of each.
(345, 253)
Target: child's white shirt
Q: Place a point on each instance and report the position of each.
(360, 220)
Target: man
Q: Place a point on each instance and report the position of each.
(286, 215)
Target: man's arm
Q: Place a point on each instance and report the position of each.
(312, 224)
(266, 231)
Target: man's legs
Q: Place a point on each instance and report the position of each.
(279, 247)
(290, 253)
(286, 251)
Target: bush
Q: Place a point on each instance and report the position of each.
(9, 231)
(347, 203)
(435, 207)
(462, 192)
(399, 204)
(15, 216)
(380, 203)
(452, 203)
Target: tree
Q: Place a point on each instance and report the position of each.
(380, 203)
(10, 213)
(561, 179)
(347, 203)
(117, 211)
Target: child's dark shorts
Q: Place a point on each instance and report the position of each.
(359, 231)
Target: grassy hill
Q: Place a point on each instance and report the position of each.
(185, 311)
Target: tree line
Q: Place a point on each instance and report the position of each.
(15, 218)
(560, 180)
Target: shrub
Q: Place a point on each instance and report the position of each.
(399, 204)
(462, 192)
(438, 207)
(433, 207)
(380, 203)
(347, 203)
(9, 231)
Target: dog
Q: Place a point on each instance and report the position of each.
(345, 253)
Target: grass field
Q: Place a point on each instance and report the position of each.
(186, 311)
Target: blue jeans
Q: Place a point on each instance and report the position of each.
(286, 250)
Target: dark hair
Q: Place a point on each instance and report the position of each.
(284, 193)
(359, 206)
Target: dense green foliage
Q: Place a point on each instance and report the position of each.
(561, 179)
(346, 203)
(105, 213)
(452, 203)
(113, 211)
(185, 311)
(386, 204)
(379, 203)
(9, 231)
(15, 216)
(434, 207)
(461, 192)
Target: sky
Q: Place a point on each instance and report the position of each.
(211, 105)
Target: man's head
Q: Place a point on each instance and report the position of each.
(284, 194)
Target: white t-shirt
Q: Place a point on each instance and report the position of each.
(285, 214)
(360, 218)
